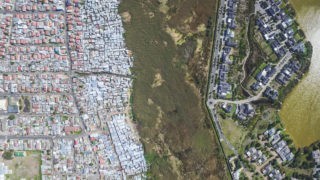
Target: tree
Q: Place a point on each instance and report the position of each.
(11, 117)
(237, 164)
(297, 162)
(305, 165)
(289, 141)
(7, 155)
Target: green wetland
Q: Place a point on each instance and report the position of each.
(167, 39)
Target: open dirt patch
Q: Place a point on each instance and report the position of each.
(174, 161)
(175, 35)
(150, 102)
(157, 81)
(199, 45)
(126, 17)
(151, 15)
(201, 27)
(160, 116)
(163, 7)
(27, 167)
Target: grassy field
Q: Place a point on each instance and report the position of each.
(170, 41)
(27, 167)
(234, 132)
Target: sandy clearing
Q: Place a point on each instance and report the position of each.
(157, 80)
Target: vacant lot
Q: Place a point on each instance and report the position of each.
(234, 132)
(27, 167)
(170, 41)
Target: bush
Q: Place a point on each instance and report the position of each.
(7, 155)
(289, 141)
(11, 117)
(237, 164)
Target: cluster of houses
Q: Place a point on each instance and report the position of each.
(25, 144)
(291, 68)
(263, 164)
(73, 158)
(4, 170)
(87, 157)
(82, 157)
(39, 5)
(68, 158)
(245, 111)
(279, 152)
(272, 172)
(263, 77)
(49, 48)
(75, 30)
(228, 43)
(53, 104)
(316, 169)
(276, 28)
(5, 26)
(255, 155)
(127, 145)
(63, 156)
(37, 28)
(107, 96)
(35, 83)
(279, 145)
(108, 160)
(46, 58)
(46, 164)
(40, 125)
(97, 43)
(271, 93)
(7, 5)
(101, 94)
(40, 104)
(31, 5)
(103, 99)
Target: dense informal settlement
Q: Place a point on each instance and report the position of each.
(65, 87)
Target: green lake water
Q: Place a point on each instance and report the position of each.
(301, 109)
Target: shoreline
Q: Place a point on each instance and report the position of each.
(293, 113)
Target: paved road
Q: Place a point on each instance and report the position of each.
(220, 133)
(103, 73)
(46, 137)
(216, 48)
(37, 114)
(30, 12)
(211, 101)
(278, 68)
(211, 88)
(71, 75)
(18, 94)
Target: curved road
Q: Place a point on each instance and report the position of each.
(211, 101)
(278, 68)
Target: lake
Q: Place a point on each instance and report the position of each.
(300, 112)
